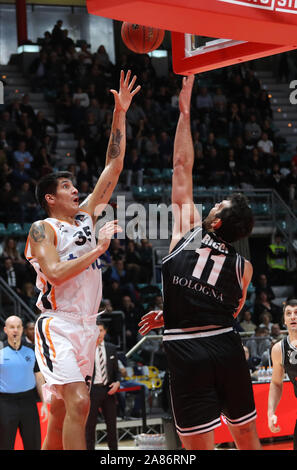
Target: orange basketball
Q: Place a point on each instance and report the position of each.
(141, 39)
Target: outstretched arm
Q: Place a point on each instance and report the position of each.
(116, 148)
(185, 213)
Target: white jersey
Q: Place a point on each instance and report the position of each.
(81, 294)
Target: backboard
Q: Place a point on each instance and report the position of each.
(189, 57)
(244, 29)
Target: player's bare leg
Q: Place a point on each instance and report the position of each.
(77, 404)
(204, 441)
(54, 436)
(245, 436)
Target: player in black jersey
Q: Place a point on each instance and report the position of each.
(284, 360)
(204, 288)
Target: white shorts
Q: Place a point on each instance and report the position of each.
(65, 348)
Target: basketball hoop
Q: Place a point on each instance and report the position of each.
(253, 28)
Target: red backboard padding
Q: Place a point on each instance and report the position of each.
(264, 21)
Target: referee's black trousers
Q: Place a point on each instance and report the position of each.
(19, 411)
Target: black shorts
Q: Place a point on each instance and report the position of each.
(209, 377)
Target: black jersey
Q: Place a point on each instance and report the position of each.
(289, 353)
(202, 282)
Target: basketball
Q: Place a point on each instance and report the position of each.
(141, 39)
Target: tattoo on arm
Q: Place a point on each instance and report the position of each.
(114, 148)
(105, 189)
(37, 232)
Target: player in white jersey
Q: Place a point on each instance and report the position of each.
(64, 252)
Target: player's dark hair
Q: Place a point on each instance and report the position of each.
(48, 185)
(237, 220)
(99, 322)
(289, 303)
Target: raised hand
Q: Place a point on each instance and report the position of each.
(106, 233)
(124, 97)
(185, 94)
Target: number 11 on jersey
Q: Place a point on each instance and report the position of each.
(218, 261)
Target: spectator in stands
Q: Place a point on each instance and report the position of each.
(19, 176)
(291, 183)
(108, 307)
(43, 162)
(57, 33)
(262, 304)
(84, 190)
(204, 102)
(134, 115)
(116, 249)
(165, 149)
(13, 276)
(263, 105)
(132, 262)
(275, 333)
(257, 172)
(132, 317)
(27, 202)
(24, 124)
(82, 97)
(248, 98)
(262, 284)
(102, 58)
(29, 332)
(276, 180)
(217, 169)
(7, 197)
(253, 128)
(114, 291)
(4, 143)
(277, 261)
(10, 250)
(41, 124)
(252, 363)
(266, 147)
(156, 304)
(258, 344)
(266, 320)
(26, 107)
(29, 295)
(8, 126)
(235, 125)
(134, 169)
(31, 141)
(21, 155)
(38, 72)
(89, 130)
(67, 42)
(14, 110)
(246, 323)
(146, 256)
